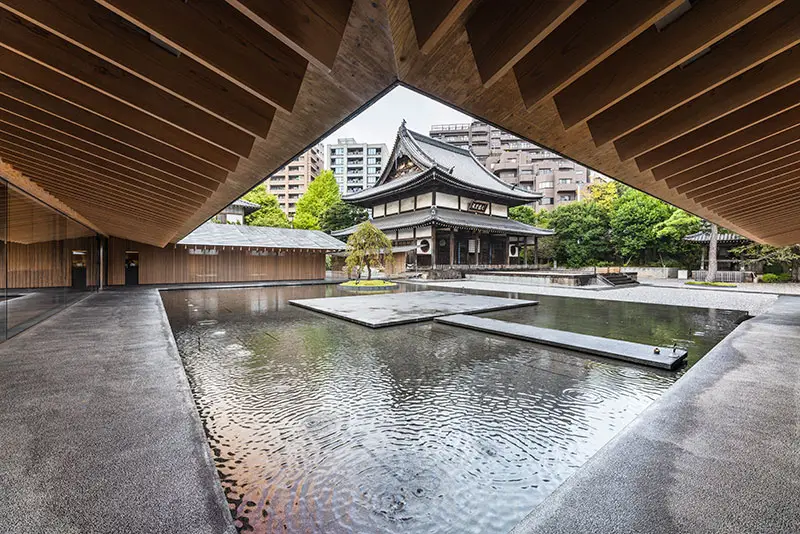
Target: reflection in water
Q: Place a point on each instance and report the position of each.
(319, 425)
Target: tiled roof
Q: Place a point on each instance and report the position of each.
(237, 235)
(705, 237)
(451, 162)
(452, 218)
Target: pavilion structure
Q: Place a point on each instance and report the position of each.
(441, 208)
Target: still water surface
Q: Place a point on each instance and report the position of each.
(319, 425)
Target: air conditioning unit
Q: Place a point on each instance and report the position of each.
(424, 246)
(513, 250)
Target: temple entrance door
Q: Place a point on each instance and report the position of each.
(443, 249)
(78, 269)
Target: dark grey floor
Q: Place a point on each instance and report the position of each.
(99, 430)
(719, 452)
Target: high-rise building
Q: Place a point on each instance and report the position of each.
(356, 166)
(519, 162)
(290, 182)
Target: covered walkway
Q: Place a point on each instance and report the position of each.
(99, 430)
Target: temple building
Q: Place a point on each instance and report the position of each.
(441, 207)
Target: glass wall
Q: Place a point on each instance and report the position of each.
(47, 261)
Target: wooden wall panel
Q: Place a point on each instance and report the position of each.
(48, 263)
(174, 265)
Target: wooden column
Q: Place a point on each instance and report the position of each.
(452, 246)
(536, 251)
(434, 246)
(477, 249)
(525, 251)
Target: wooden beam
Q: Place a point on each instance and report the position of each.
(732, 191)
(682, 185)
(756, 83)
(576, 45)
(64, 111)
(772, 216)
(224, 40)
(22, 127)
(312, 28)
(73, 167)
(88, 25)
(86, 181)
(736, 142)
(501, 35)
(35, 143)
(46, 80)
(762, 148)
(37, 121)
(652, 54)
(35, 43)
(432, 20)
(762, 109)
(762, 39)
(776, 165)
(784, 237)
(774, 190)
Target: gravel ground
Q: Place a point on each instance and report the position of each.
(775, 289)
(753, 303)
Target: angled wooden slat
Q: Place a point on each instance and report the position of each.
(778, 189)
(92, 27)
(37, 143)
(312, 28)
(736, 188)
(576, 46)
(86, 183)
(750, 152)
(66, 132)
(726, 145)
(652, 54)
(53, 180)
(772, 215)
(501, 37)
(784, 237)
(756, 83)
(785, 153)
(768, 35)
(762, 109)
(31, 41)
(72, 166)
(746, 176)
(217, 35)
(432, 20)
(31, 73)
(56, 140)
(63, 110)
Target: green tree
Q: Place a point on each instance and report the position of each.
(581, 234)
(523, 214)
(322, 193)
(270, 213)
(365, 247)
(605, 194)
(342, 215)
(786, 257)
(670, 234)
(633, 222)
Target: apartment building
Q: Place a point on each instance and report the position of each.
(355, 165)
(519, 162)
(290, 182)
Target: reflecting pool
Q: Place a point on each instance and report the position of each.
(319, 425)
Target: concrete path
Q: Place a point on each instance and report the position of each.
(664, 358)
(718, 452)
(99, 430)
(751, 302)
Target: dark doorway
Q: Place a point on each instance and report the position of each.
(79, 269)
(131, 268)
(443, 250)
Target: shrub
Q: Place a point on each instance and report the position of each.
(711, 284)
(772, 278)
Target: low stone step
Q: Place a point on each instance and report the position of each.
(662, 357)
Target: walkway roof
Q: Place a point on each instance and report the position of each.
(237, 235)
(144, 118)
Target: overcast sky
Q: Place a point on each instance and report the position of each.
(379, 122)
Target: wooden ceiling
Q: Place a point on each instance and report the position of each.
(147, 117)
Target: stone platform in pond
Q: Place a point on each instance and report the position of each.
(665, 358)
(376, 311)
